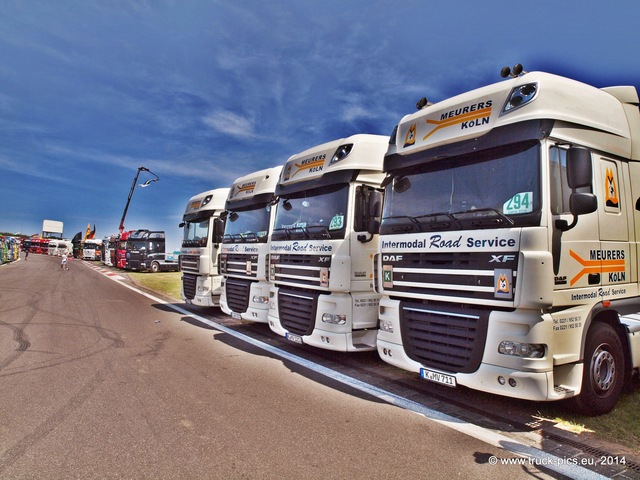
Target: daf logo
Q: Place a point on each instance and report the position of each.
(392, 258)
(502, 258)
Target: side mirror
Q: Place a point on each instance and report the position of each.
(375, 203)
(402, 185)
(582, 203)
(374, 226)
(371, 214)
(579, 175)
(218, 230)
(579, 172)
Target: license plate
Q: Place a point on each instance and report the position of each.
(294, 338)
(236, 316)
(438, 377)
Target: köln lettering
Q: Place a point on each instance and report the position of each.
(475, 123)
(617, 276)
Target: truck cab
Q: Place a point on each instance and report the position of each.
(202, 234)
(140, 245)
(322, 245)
(120, 249)
(508, 257)
(91, 249)
(249, 217)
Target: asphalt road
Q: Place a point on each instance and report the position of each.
(98, 381)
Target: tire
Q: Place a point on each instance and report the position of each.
(155, 267)
(604, 371)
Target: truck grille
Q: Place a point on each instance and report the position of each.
(189, 263)
(239, 264)
(297, 309)
(453, 274)
(449, 339)
(237, 292)
(189, 285)
(310, 270)
(134, 264)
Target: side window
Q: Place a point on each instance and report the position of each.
(361, 207)
(560, 190)
(363, 212)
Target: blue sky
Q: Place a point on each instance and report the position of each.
(203, 91)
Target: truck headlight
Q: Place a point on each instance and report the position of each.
(386, 326)
(336, 319)
(524, 350)
(260, 299)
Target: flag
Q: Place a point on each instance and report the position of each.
(88, 232)
(92, 234)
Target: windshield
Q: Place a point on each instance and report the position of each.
(247, 226)
(196, 234)
(312, 214)
(136, 245)
(496, 188)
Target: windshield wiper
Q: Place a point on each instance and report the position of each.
(484, 217)
(309, 232)
(250, 237)
(201, 242)
(435, 223)
(318, 231)
(290, 232)
(232, 238)
(402, 227)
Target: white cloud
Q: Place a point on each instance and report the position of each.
(194, 165)
(355, 112)
(230, 123)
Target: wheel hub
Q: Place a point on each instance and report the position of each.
(603, 369)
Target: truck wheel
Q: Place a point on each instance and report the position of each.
(603, 376)
(155, 267)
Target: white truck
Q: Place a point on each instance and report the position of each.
(202, 235)
(91, 249)
(322, 245)
(250, 213)
(53, 247)
(60, 247)
(508, 246)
